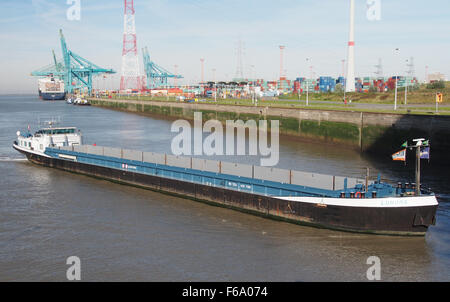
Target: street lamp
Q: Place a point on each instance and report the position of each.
(396, 80)
(215, 85)
(307, 86)
(406, 86)
(343, 75)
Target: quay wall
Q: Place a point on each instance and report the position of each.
(380, 133)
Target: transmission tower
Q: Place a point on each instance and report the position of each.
(202, 61)
(411, 68)
(379, 68)
(239, 62)
(131, 77)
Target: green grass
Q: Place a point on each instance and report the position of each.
(420, 96)
(289, 104)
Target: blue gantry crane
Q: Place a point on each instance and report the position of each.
(156, 75)
(76, 71)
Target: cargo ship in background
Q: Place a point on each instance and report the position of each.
(51, 89)
(333, 202)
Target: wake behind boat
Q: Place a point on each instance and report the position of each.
(341, 203)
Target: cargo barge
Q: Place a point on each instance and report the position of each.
(333, 202)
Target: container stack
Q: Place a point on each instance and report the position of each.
(327, 84)
(359, 85)
(366, 84)
(310, 85)
(263, 84)
(284, 85)
(324, 84)
(297, 86)
(404, 81)
(380, 85)
(272, 85)
(341, 80)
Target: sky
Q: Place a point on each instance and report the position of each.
(180, 32)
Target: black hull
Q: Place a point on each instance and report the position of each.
(404, 221)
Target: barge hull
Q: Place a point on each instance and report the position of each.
(410, 221)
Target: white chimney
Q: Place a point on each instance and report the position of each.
(350, 79)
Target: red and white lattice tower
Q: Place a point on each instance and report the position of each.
(131, 77)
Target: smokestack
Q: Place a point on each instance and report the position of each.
(282, 77)
(350, 81)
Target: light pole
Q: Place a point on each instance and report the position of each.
(215, 85)
(307, 86)
(396, 85)
(345, 82)
(202, 61)
(406, 87)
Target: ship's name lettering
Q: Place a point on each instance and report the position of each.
(393, 202)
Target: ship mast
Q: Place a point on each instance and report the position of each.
(417, 146)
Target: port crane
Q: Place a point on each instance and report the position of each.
(156, 75)
(76, 71)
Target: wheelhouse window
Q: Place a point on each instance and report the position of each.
(56, 131)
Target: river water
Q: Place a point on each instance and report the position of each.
(122, 233)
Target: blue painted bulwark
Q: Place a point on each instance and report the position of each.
(231, 182)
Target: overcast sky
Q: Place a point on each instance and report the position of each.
(180, 32)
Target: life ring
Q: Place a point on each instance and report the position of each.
(358, 195)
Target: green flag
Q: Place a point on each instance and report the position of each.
(405, 144)
(425, 143)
